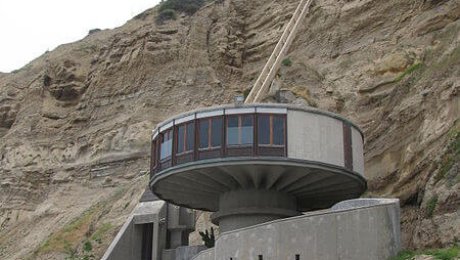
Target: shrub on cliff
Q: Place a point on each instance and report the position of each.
(164, 15)
(182, 6)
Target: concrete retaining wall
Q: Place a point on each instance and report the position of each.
(127, 244)
(205, 255)
(363, 229)
(182, 253)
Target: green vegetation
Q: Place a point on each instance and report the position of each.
(69, 250)
(409, 70)
(287, 62)
(81, 233)
(101, 232)
(87, 246)
(67, 239)
(208, 238)
(169, 8)
(431, 206)
(439, 254)
(188, 7)
(167, 14)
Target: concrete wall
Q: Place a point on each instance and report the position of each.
(205, 255)
(127, 244)
(317, 137)
(367, 231)
(182, 253)
(358, 151)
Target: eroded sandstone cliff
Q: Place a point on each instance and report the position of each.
(75, 123)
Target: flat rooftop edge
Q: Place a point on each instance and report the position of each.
(258, 105)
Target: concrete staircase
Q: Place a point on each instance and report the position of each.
(271, 67)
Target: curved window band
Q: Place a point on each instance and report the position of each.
(207, 138)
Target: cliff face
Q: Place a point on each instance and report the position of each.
(75, 123)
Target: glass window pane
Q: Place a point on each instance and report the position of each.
(263, 129)
(232, 121)
(216, 132)
(247, 133)
(247, 129)
(232, 130)
(190, 138)
(180, 138)
(166, 145)
(204, 128)
(153, 154)
(232, 135)
(278, 130)
(246, 120)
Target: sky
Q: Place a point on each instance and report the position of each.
(28, 28)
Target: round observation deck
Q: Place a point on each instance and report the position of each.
(255, 163)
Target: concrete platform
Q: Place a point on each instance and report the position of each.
(361, 229)
(314, 185)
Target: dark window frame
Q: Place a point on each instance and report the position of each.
(272, 129)
(225, 150)
(240, 135)
(153, 156)
(222, 132)
(176, 137)
(162, 138)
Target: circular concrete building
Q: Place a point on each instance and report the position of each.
(255, 163)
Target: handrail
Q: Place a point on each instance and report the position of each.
(274, 62)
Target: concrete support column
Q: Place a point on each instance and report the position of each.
(242, 208)
(156, 228)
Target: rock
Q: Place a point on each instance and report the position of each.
(395, 62)
(8, 115)
(61, 177)
(107, 180)
(285, 96)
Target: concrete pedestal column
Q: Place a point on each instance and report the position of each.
(242, 208)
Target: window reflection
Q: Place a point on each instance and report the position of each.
(240, 130)
(166, 145)
(233, 130)
(209, 134)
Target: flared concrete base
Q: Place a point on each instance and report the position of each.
(199, 185)
(243, 208)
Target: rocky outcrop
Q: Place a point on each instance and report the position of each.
(75, 123)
